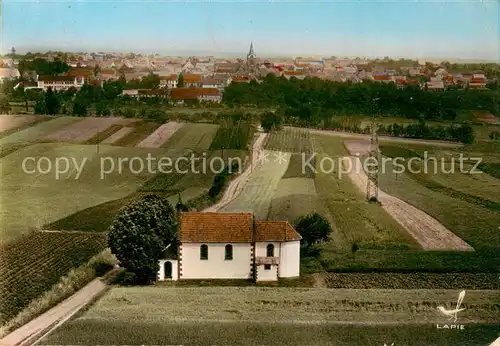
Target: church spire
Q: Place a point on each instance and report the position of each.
(251, 53)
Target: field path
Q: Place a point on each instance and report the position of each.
(386, 138)
(236, 186)
(34, 331)
(426, 230)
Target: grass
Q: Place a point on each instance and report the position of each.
(409, 261)
(462, 205)
(97, 218)
(352, 217)
(33, 200)
(142, 129)
(277, 316)
(294, 197)
(31, 264)
(442, 173)
(298, 166)
(191, 185)
(195, 137)
(259, 190)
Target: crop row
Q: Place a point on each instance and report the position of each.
(471, 281)
(35, 262)
(290, 140)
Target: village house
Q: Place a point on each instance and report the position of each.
(147, 93)
(210, 82)
(478, 81)
(108, 75)
(232, 246)
(181, 95)
(169, 81)
(192, 80)
(295, 74)
(58, 83)
(240, 79)
(382, 78)
(223, 79)
(8, 73)
(435, 84)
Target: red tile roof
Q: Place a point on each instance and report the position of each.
(192, 93)
(56, 78)
(184, 93)
(192, 78)
(275, 231)
(108, 71)
(199, 227)
(216, 227)
(478, 80)
(209, 92)
(77, 72)
(381, 77)
(170, 77)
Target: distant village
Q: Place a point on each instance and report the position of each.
(204, 78)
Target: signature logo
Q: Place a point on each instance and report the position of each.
(452, 314)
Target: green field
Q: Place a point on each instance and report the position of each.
(260, 187)
(195, 137)
(142, 129)
(466, 204)
(33, 200)
(278, 316)
(354, 219)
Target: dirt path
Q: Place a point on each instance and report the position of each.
(426, 230)
(34, 331)
(236, 186)
(386, 138)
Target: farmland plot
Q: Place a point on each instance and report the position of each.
(292, 140)
(354, 219)
(192, 137)
(33, 263)
(85, 129)
(33, 133)
(118, 135)
(161, 135)
(295, 197)
(477, 225)
(31, 200)
(429, 232)
(260, 187)
(9, 122)
(277, 316)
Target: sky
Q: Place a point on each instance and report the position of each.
(466, 29)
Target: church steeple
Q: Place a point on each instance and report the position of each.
(251, 53)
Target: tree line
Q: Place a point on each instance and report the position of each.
(313, 100)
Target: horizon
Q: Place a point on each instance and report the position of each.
(406, 29)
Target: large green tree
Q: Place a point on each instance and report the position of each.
(313, 228)
(180, 81)
(139, 235)
(52, 104)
